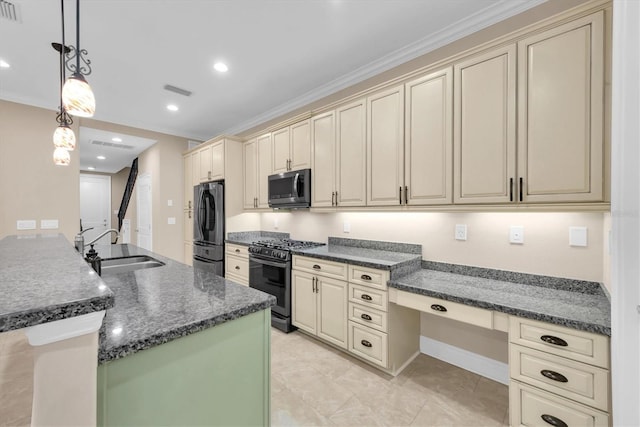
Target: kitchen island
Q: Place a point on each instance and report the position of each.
(182, 346)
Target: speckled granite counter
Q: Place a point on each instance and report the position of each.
(589, 311)
(399, 258)
(157, 305)
(43, 279)
(248, 237)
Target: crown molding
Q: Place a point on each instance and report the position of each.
(459, 29)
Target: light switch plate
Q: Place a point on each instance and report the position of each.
(169, 202)
(578, 236)
(346, 227)
(275, 223)
(26, 224)
(49, 224)
(461, 232)
(171, 220)
(516, 234)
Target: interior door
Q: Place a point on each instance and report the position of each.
(143, 200)
(95, 205)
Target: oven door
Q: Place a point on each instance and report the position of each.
(274, 278)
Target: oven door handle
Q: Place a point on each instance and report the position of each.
(265, 262)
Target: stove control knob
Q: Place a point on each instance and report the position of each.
(282, 255)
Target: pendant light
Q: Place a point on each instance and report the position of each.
(61, 157)
(77, 96)
(63, 138)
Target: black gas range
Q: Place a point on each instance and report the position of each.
(270, 272)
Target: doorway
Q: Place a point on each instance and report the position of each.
(143, 202)
(95, 205)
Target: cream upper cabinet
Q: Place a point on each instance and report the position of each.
(188, 181)
(323, 147)
(485, 127)
(351, 154)
(250, 173)
(385, 147)
(205, 164)
(560, 128)
(264, 170)
(217, 160)
(195, 167)
(292, 147)
(428, 146)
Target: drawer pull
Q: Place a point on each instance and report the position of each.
(550, 339)
(554, 421)
(365, 316)
(365, 277)
(366, 297)
(238, 251)
(366, 343)
(555, 376)
(316, 267)
(438, 307)
(237, 267)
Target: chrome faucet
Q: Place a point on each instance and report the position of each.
(111, 230)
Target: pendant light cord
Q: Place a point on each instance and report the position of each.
(77, 36)
(62, 52)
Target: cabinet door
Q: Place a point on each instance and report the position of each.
(264, 169)
(188, 253)
(332, 311)
(217, 160)
(280, 141)
(205, 164)
(485, 128)
(385, 147)
(303, 301)
(250, 163)
(560, 128)
(188, 225)
(323, 139)
(428, 147)
(300, 146)
(195, 168)
(188, 185)
(351, 154)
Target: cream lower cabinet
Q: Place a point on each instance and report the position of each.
(559, 376)
(319, 306)
(188, 236)
(236, 263)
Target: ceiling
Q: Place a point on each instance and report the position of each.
(281, 54)
(118, 149)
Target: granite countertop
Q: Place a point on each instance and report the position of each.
(587, 311)
(399, 258)
(157, 305)
(246, 238)
(43, 279)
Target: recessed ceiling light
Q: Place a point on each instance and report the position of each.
(91, 168)
(221, 67)
(116, 139)
(172, 107)
(100, 157)
(4, 64)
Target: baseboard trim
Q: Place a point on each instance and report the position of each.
(481, 365)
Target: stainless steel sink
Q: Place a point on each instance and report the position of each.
(130, 263)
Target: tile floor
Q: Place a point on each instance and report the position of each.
(314, 384)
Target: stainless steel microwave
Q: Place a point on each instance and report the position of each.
(290, 190)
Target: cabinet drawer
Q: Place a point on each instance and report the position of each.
(366, 296)
(335, 270)
(451, 310)
(368, 276)
(237, 250)
(578, 381)
(368, 316)
(237, 279)
(237, 266)
(369, 344)
(571, 343)
(528, 406)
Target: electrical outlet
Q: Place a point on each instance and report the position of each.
(49, 224)
(578, 236)
(26, 224)
(516, 234)
(346, 227)
(275, 223)
(171, 220)
(461, 232)
(169, 202)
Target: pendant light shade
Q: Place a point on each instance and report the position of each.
(61, 157)
(63, 137)
(77, 97)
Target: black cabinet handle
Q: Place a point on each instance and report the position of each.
(238, 250)
(554, 421)
(550, 339)
(400, 195)
(365, 277)
(365, 343)
(365, 316)
(511, 189)
(366, 297)
(316, 267)
(521, 185)
(237, 267)
(438, 307)
(406, 197)
(555, 376)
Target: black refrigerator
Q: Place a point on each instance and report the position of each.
(208, 227)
